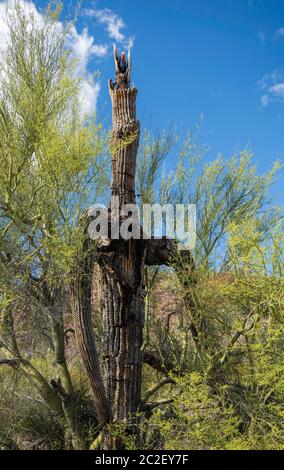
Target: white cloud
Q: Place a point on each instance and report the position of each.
(272, 86)
(83, 49)
(27, 7)
(279, 33)
(277, 90)
(82, 45)
(111, 21)
(264, 100)
(261, 37)
(88, 96)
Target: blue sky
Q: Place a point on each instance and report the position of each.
(220, 58)
(223, 59)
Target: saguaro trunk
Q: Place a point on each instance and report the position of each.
(122, 268)
(123, 317)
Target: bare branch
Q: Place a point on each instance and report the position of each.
(156, 404)
(158, 364)
(10, 362)
(155, 388)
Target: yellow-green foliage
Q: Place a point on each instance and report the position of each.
(231, 393)
(201, 419)
(196, 419)
(51, 157)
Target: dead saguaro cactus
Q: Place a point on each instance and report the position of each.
(116, 383)
(122, 263)
(124, 128)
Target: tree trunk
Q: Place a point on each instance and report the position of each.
(122, 272)
(123, 318)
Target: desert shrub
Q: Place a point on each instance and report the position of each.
(195, 419)
(25, 420)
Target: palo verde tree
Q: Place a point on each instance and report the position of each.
(221, 339)
(49, 161)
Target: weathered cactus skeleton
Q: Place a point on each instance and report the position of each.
(121, 263)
